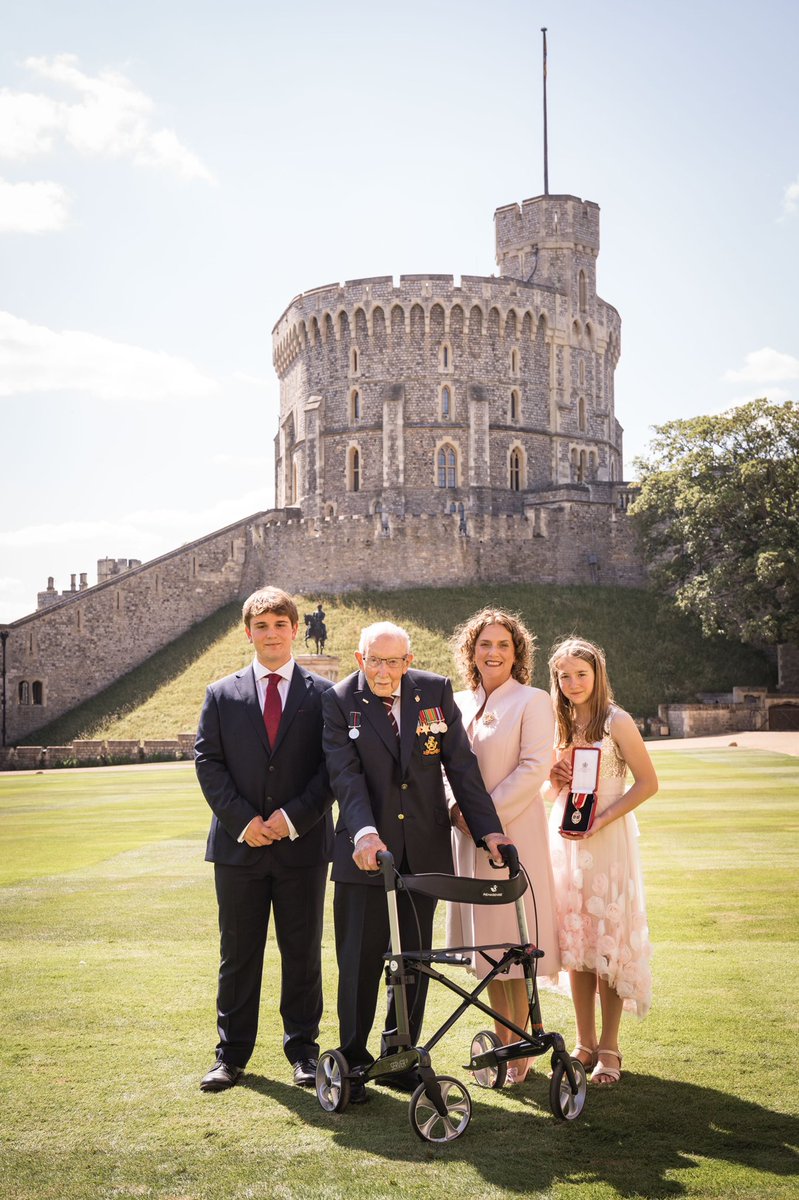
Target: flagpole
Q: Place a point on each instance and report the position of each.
(546, 151)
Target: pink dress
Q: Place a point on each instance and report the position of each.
(599, 891)
(512, 741)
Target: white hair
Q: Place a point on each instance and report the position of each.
(381, 629)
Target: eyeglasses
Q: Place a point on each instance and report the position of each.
(393, 664)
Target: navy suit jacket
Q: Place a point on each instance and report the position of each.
(398, 786)
(242, 777)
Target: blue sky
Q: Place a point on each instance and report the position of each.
(173, 173)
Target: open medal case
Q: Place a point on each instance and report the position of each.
(578, 815)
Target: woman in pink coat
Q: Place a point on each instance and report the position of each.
(511, 729)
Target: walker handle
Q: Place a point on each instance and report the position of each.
(510, 859)
(385, 860)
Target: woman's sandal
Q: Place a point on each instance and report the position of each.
(517, 1075)
(591, 1054)
(612, 1075)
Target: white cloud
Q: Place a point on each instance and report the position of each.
(791, 199)
(32, 207)
(765, 366)
(112, 118)
(34, 358)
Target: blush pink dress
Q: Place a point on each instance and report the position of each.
(599, 892)
(512, 741)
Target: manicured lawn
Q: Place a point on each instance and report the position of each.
(108, 953)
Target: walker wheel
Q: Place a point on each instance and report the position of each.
(488, 1077)
(566, 1104)
(332, 1081)
(428, 1123)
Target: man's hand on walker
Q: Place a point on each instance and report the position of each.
(365, 852)
(492, 843)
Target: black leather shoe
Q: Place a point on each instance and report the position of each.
(358, 1093)
(221, 1076)
(305, 1072)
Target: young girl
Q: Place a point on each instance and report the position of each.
(604, 939)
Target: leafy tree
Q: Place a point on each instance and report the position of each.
(718, 511)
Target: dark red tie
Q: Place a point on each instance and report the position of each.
(273, 709)
(389, 703)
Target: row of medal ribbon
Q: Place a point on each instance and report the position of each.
(431, 720)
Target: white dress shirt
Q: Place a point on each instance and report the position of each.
(261, 673)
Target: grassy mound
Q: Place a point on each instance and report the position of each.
(654, 654)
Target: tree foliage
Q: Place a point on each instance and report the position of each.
(718, 511)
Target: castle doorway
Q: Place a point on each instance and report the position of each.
(783, 718)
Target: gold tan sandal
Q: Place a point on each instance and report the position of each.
(591, 1055)
(612, 1075)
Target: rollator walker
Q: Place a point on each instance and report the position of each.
(440, 1108)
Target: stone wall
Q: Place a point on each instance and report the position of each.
(732, 714)
(70, 650)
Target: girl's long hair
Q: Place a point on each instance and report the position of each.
(601, 697)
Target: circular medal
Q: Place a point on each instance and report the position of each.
(442, 726)
(576, 817)
(354, 733)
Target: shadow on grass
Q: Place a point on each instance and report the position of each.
(634, 1138)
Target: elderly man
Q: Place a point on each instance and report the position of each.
(388, 731)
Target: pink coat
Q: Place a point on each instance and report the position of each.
(513, 742)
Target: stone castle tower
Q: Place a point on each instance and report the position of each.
(483, 396)
(431, 434)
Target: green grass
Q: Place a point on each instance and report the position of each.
(655, 654)
(108, 954)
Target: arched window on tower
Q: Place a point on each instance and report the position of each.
(355, 405)
(514, 404)
(24, 692)
(38, 692)
(582, 470)
(445, 356)
(514, 361)
(354, 470)
(354, 360)
(581, 414)
(516, 470)
(582, 291)
(581, 373)
(446, 403)
(446, 467)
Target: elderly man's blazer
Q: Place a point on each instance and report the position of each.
(397, 786)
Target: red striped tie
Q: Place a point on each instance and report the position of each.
(389, 703)
(273, 709)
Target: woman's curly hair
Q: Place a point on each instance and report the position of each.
(464, 640)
